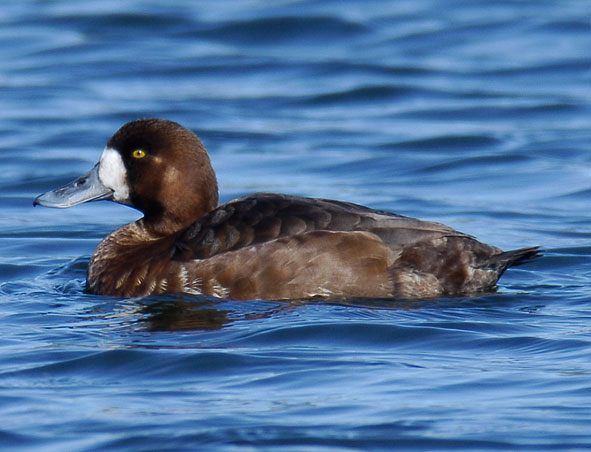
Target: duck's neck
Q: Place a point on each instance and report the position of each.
(180, 212)
(166, 225)
(162, 227)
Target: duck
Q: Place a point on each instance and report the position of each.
(262, 246)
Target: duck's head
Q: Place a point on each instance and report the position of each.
(156, 166)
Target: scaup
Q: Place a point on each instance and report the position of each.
(266, 246)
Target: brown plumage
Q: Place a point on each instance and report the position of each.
(267, 246)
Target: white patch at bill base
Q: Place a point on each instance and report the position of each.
(113, 175)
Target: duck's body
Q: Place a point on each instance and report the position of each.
(265, 246)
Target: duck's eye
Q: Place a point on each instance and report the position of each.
(138, 154)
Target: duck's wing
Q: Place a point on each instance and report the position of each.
(264, 217)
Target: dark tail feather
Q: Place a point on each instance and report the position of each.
(506, 259)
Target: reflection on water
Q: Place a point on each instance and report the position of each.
(182, 315)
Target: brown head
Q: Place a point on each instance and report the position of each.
(154, 165)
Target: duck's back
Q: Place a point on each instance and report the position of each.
(263, 217)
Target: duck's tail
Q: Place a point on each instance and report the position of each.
(506, 259)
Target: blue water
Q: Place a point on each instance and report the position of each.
(472, 113)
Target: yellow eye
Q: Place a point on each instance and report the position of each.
(138, 154)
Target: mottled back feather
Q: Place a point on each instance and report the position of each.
(262, 217)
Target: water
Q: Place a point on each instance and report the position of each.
(475, 114)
